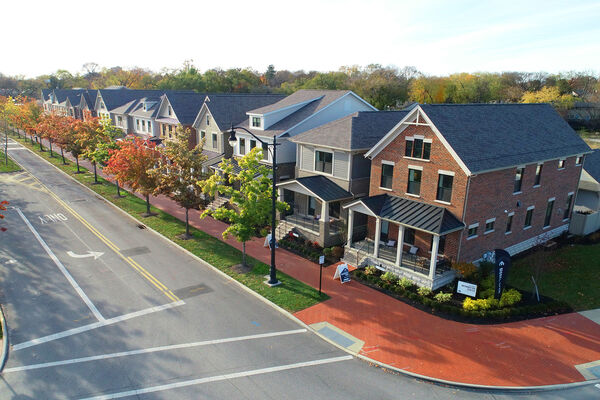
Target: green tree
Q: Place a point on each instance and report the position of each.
(249, 192)
(179, 173)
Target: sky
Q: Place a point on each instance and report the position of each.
(436, 37)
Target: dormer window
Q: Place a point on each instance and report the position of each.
(256, 122)
(169, 110)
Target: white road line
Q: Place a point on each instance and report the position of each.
(62, 269)
(153, 350)
(95, 325)
(218, 378)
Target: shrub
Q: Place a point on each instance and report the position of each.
(370, 270)
(510, 297)
(337, 252)
(464, 269)
(487, 283)
(327, 251)
(389, 277)
(443, 297)
(405, 283)
(424, 291)
(479, 304)
(487, 293)
(263, 232)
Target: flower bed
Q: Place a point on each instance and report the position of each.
(512, 306)
(310, 250)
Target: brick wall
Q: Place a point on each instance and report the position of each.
(490, 194)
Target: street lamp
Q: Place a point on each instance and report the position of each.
(232, 142)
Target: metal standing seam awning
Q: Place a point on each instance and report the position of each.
(317, 186)
(410, 213)
(236, 166)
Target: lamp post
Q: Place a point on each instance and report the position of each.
(232, 142)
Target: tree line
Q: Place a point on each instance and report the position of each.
(386, 87)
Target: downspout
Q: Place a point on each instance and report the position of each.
(463, 218)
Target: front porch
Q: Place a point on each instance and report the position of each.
(315, 208)
(398, 240)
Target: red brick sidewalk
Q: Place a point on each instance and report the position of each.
(528, 353)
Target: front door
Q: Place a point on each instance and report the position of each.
(385, 228)
(312, 204)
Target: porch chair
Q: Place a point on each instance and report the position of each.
(391, 243)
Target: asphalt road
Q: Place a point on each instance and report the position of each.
(99, 308)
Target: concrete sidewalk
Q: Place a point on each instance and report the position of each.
(537, 352)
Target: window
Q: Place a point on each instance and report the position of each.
(417, 148)
(252, 144)
(214, 140)
(202, 135)
(143, 125)
(120, 120)
(137, 124)
(242, 146)
(387, 173)
(519, 179)
(164, 130)
(409, 236)
(568, 206)
(149, 126)
(444, 190)
(489, 225)
(441, 244)
(414, 181)
(561, 164)
(207, 120)
(578, 160)
(323, 161)
(334, 209)
(169, 110)
(472, 232)
(265, 149)
(509, 223)
(538, 175)
(548, 215)
(528, 218)
(256, 122)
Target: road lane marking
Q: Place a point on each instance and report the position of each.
(142, 271)
(62, 268)
(218, 378)
(95, 254)
(154, 350)
(95, 325)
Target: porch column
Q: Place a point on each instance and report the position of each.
(324, 211)
(434, 254)
(324, 224)
(400, 245)
(280, 215)
(280, 190)
(377, 236)
(350, 226)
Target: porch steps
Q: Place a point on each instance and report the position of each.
(283, 229)
(216, 203)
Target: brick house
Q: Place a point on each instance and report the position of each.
(450, 182)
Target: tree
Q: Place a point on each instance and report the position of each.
(131, 164)
(179, 173)
(3, 205)
(95, 137)
(72, 145)
(249, 191)
(549, 94)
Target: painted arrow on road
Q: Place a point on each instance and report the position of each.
(94, 254)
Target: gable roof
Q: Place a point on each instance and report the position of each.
(591, 164)
(89, 97)
(114, 98)
(137, 107)
(46, 94)
(230, 109)
(486, 137)
(358, 131)
(186, 105)
(315, 100)
(320, 186)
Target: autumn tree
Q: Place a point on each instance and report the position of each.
(549, 95)
(179, 173)
(95, 137)
(72, 145)
(131, 162)
(249, 192)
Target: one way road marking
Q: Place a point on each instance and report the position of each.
(95, 254)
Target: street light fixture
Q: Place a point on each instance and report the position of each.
(232, 142)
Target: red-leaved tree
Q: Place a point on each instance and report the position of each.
(130, 164)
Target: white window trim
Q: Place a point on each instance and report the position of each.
(415, 167)
(388, 162)
(576, 157)
(475, 225)
(510, 214)
(487, 221)
(332, 161)
(393, 164)
(442, 202)
(564, 160)
(530, 208)
(444, 172)
(570, 205)
(412, 195)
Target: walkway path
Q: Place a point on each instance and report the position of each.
(542, 351)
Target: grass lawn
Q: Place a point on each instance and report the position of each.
(10, 167)
(570, 275)
(292, 295)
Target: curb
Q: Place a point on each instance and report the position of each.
(4, 354)
(460, 385)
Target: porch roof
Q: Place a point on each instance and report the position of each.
(320, 187)
(413, 214)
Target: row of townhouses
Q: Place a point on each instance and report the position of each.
(410, 191)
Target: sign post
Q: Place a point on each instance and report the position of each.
(321, 262)
(501, 270)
